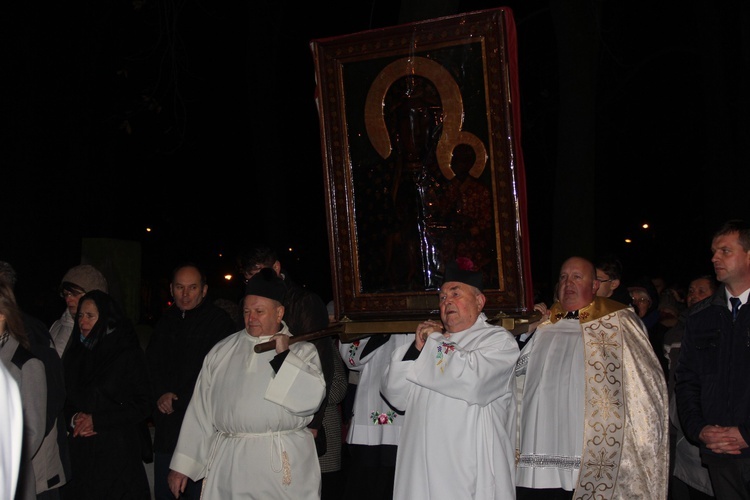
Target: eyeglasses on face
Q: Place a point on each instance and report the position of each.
(640, 300)
(603, 281)
(71, 293)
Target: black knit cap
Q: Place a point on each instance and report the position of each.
(266, 284)
(455, 271)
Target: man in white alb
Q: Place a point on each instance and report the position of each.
(455, 383)
(245, 430)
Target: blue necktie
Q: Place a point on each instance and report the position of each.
(736, 302)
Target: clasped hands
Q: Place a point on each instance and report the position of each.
(726, 440)
(424, 329)
(83, 425)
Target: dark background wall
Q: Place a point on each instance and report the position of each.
(198, 119)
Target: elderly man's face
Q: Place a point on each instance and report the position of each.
(262, 315)
(577, 285)
(460, 305)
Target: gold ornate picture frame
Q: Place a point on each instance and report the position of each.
(420, 136)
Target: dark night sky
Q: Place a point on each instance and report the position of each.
(110, 109)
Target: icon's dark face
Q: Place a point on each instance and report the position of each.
(415, 120)
(414, 133)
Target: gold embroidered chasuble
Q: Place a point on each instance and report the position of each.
(625, 437)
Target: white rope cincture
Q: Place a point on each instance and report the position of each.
(285, 468)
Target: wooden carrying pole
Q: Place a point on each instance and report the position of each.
(349, 331)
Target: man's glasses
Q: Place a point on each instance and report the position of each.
(68, 293)
(603, 281)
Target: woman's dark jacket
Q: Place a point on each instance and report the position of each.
(106, 375)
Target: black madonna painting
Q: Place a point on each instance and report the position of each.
(422, 159)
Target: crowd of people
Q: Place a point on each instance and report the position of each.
(623, 389)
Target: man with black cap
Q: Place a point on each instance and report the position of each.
(245, 430)
(592, 400)
(304, 312)
(455, 383)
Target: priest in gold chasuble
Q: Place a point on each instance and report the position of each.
(592, 400)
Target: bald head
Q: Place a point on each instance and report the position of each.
(577, 284)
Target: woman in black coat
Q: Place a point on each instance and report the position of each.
(108, 399)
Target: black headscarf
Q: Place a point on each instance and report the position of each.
(112, 332)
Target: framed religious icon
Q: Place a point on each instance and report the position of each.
(420, 140)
